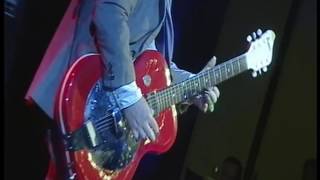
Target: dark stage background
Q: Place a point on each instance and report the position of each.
(267, 123)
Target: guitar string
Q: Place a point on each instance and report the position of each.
(227, 67)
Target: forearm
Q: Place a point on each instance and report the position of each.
(112, 34)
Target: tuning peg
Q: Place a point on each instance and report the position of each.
(249, 38)
(265, 69)
(254, 74)
(259, 32)
(254, 36)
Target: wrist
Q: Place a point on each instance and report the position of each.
(126, 95)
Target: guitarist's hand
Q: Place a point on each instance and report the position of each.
(141, 121)
(209, 97)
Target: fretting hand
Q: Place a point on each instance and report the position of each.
(206, 100)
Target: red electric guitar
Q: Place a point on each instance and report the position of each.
(98, 143)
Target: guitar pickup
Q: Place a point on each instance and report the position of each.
(92, 137)
(83, 138)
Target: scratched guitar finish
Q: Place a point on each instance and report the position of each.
(99, 144)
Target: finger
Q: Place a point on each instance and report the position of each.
(133, 125)
(216, 90)
(212, 94)
(211, 98)
(204, 107)
(135, 134)
(151, 111)
(149, 132)
(196, 100)
(142, 134)
(211, 63)
(200, 102)
(154, 125)
(210, 102)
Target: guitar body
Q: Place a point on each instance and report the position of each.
(152, 74)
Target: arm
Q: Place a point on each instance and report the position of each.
(113, 36)
(112, 33)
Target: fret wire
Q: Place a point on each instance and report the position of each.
(205, 77)
(183, 91)
(168, 97)
(162, 100)
(173, 95)
(197, 82)
(229, 69)
(225, 69)
(176, 96)
(232, 67)
(188, 89)
(191, 87)
(176, 93)
(178, 90)
(202, 80)
(165, 99)
(158, 101)
(201, 85)
(210, 75)
(239, 65)
(215, 75)
(219, 74)
(185, 88)
(210, 78)
(150, 101)
(196, 85)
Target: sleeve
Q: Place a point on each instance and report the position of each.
(112, 32)
(179, 75)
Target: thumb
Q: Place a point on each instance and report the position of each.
(210, 64)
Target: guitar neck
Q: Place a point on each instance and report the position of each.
(193, 86)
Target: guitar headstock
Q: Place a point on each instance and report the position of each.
(259, 55)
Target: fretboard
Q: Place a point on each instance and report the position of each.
(191, 87)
